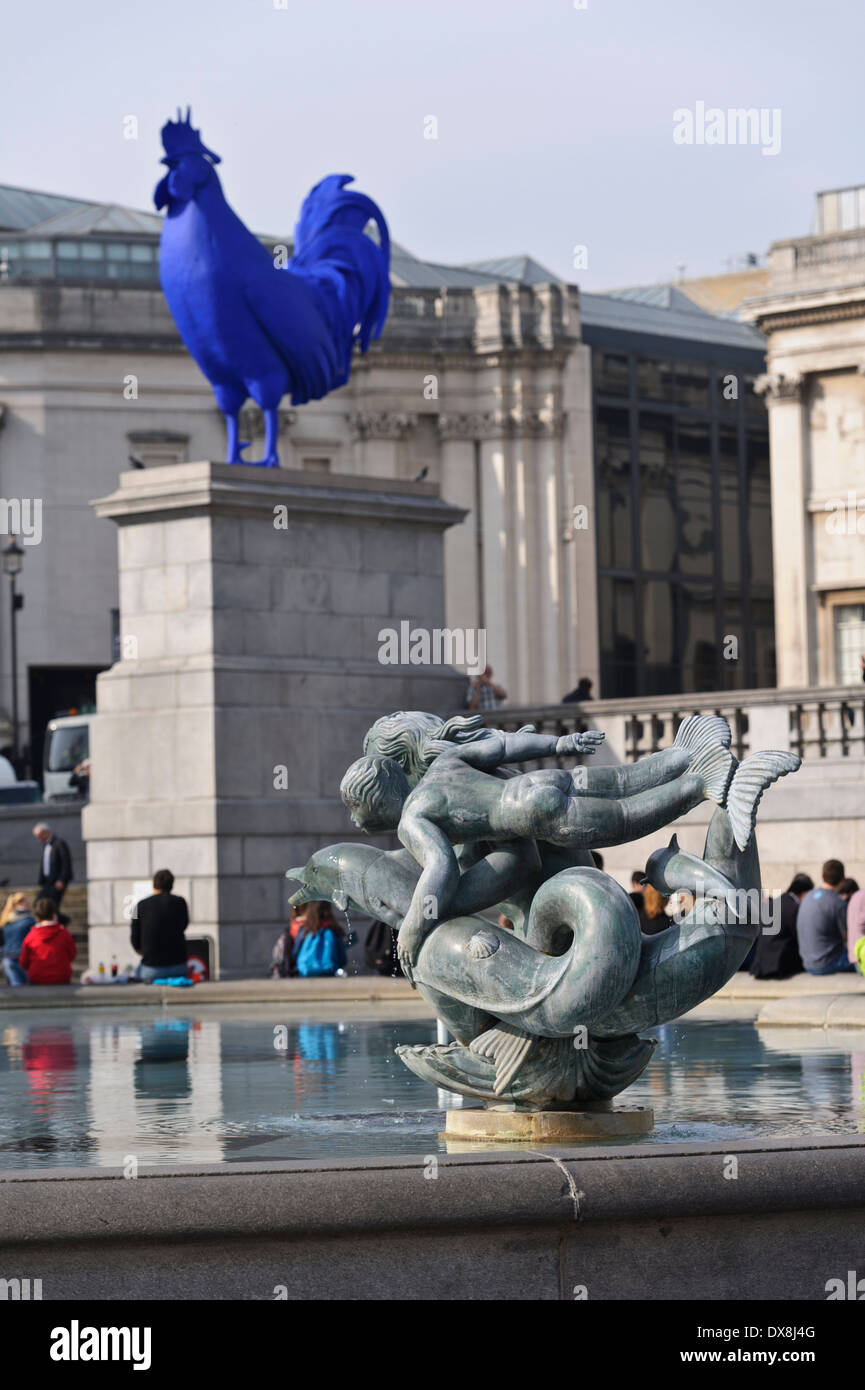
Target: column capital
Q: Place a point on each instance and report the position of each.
(547, 422)
(472, 424)
(780, 386)
(381, 424)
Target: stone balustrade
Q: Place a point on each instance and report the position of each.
(815, 261)
(816, 723)
(804, 819)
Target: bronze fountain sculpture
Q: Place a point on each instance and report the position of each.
(547, 1016)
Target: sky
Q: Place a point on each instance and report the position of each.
(554, 120)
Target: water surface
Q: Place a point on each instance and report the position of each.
(223, 1085)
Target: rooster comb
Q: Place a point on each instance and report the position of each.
(178, 137)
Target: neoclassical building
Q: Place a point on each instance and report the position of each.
(813, 316)
(616, 488)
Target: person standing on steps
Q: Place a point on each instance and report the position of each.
(55, 865)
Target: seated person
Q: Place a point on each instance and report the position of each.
(776, 953)
(158, 932)
(821, 925)
(16, 921)
(48, 950)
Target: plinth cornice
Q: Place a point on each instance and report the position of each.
(221, 489)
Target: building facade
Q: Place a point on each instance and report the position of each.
(813, 317)
(615, 485)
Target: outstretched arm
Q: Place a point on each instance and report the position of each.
(434, 891)
(525, 745)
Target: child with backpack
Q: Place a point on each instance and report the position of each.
(312, 946)
(48, 950)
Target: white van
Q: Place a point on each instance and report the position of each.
(67, 746)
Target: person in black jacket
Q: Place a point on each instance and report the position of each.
(157, 931)
(55, 864)
(580, 694)
(776, 955)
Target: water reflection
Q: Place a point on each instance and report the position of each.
(224, 1086)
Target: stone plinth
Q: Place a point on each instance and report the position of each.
(251, 602)
(546, 1126)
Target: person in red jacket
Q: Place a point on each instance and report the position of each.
(47, 951)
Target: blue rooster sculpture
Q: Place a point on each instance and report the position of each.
(256, 329)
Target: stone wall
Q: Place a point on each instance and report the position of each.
(655, 1223)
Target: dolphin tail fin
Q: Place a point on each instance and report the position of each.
(507, 1047)
(750, 780)
(707, 739)
(608, 1065)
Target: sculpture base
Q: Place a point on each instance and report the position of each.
(547, 1126)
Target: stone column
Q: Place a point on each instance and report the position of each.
(251, 606)
(791, 540)
(549, 672)
(462, 581)
(498, 561)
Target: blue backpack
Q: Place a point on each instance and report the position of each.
(320, 953)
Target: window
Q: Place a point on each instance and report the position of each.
(759, 513)
(31, 259)
(684, 545)
(618, 637)
(700, 646)
(692, 384)
(731, 548)
(659, 636)
(657, 493)
(316, 465)
(611, 373)
(849, 642)
(763, 642)
(654, 379)
(754, 403)
(614, 491)
(696, 524)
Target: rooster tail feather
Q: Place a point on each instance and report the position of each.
(332, 247)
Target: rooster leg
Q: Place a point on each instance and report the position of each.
(271, 433)
(232, 448)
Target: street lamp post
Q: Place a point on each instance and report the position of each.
(13, 558)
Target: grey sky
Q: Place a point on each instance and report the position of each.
(554, 124)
